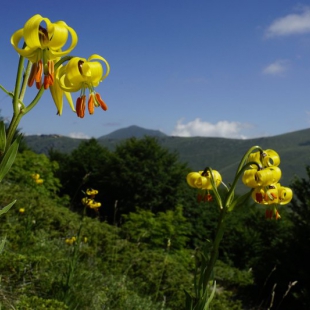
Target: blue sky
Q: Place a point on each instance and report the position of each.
(235, 69)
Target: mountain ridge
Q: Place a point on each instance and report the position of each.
(222, 154)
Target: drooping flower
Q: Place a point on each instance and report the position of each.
(272, 194)
(91, 192)
(43, 42)
(265, 159)
(263, 177)
(80, 74)
(267, 176)
(202, 180)
(90, 203)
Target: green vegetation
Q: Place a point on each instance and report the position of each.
(138, 250)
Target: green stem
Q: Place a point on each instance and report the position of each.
(215, 247)
(17, 84)
(24, 84)
(61, 61)
(74, 259)
(231, 192)
(9, 93)
(246, 155)
(20, 113)
(12, 129)
(34, 101)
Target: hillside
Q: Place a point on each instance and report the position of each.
(132, 131)
(220, 153)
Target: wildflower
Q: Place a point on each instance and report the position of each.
(85, 239)
(58, 94)
(91, 192)
(42, 46)
(202, 180)
(71, 240)
(265, 159)
(36, 178)
(254, 178)
(80, 74)
(21, 210)
(90, 203)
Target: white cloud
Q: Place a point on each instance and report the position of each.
(78, 135)
(197, 127)
(290, 24)
(276, 68)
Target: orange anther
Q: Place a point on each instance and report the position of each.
(32, 74)
(91, 104)
(278, 216)
(80, 106)
(101, 102)
(38, 74)
(49, 77)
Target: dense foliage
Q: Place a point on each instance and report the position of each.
(138, 250)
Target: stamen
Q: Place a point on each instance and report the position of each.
(101, 102)
(49, 79)
(91, 104)
(32, 74)
(38, 75)
(80, 106)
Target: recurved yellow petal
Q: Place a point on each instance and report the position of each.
(40, 34)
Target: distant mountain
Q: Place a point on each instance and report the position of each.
(132, 131)
(198, 152)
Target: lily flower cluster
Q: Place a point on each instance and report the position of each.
(45, 46)
(37, 179)
(260, 172)
(263, 177)
(89, 200)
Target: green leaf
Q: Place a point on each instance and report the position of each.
(2, 137)
(211, 297)
(7, 208)
(189, 301)
(9, 157)
(239, 201)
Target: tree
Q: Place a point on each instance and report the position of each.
(139, 173)
(84, 168)
(145, 175)
(298, 261)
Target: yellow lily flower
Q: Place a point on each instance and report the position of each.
(267, 158)
(81, 74)
(203, 181)
(254, 178)
(57, 95)
(43, 44)
(91, 192)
